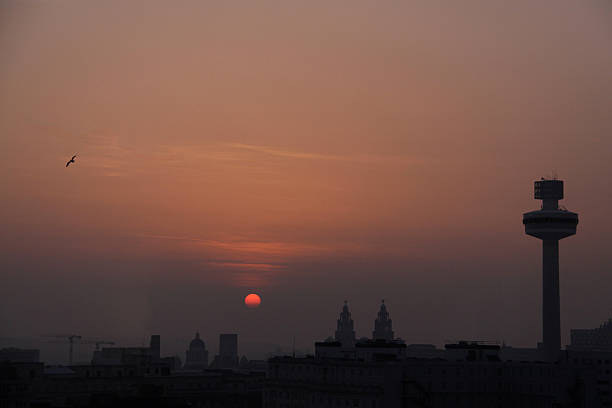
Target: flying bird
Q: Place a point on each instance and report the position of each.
(71, 160)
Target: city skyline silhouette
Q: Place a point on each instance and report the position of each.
(161, 162)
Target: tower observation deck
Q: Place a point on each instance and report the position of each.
(550, 224)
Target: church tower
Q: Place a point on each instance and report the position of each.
(345, 333)
(383, 328)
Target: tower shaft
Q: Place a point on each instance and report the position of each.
(550, 224)
(551, 305)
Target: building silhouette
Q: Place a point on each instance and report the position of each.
(228, 352)
(597, 339)
(345, 331)
(197, 355)
(550, 224)
(126, 385)
(125, 355)
(390, 374)
(383, 326)
(19, 355)
(470, 374)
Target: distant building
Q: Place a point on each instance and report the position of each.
(18, 355)
(330, 382)
(17, 383)
(599, 339)
(423, 351)
(126, 385)
(228, 352)
(147, 358)
(472, 351)
(508, 353)
(345, 331)
(598, 362)
(197, 355)
(253, 365)
(386, 373)
(383, 326)
(155, 346)
(365, 350)
(471, 375)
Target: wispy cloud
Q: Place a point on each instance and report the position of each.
(249, 251)
(107, 153)
(247, 274)
(243, 266)
(113, 157)
(286, 153)
(355, 158)
(245, 262)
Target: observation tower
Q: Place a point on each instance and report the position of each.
(550, 224)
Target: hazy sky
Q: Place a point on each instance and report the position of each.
(311, 152)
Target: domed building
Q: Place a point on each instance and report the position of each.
(197, 355)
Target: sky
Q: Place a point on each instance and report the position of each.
(310, 152)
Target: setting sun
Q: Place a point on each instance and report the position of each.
(252, 301)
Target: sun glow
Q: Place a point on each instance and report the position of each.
(252, 301)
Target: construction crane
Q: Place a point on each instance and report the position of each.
(98, 343)
(74, 338)
(71, 340)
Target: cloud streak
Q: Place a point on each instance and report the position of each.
(245, 262)
(356, 158)
(287, 153)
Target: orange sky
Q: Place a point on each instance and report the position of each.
(309, 151)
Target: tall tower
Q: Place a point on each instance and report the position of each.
(345, 332)
(155, 346)
(383, 326)
(550, 224)
(228, 350)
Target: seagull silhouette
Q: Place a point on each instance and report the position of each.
(71, 160)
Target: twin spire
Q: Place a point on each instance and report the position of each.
(383, 326)
(345, 331)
